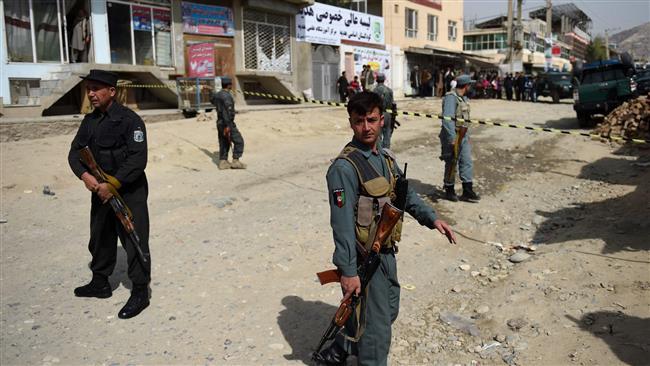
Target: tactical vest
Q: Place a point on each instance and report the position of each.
(462, 107)
(374, 192)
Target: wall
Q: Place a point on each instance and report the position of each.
(395, 24)
(100, 32)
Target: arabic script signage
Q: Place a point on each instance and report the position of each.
(327, 24)
(207, 19)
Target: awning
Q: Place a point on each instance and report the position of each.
(442, 52)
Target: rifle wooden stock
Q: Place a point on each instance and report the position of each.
(122, 211)
(332, 275)
(89, 160)
(389, 217)
(460, 134)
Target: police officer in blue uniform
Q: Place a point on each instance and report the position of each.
(386, 95)
(118, 140)
(226, 128)
(360, 181)
(456, 104)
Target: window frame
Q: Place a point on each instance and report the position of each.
(411, 32)
(452, 30)
(153, 34)
(432, 32)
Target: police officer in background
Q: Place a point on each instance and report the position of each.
(226, 127)
(118, 140)
(354, 200)
(386, 95)
(456, 104)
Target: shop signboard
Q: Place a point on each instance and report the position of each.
(326, 24)
(379, 61)
(200, 60)
(207, 19)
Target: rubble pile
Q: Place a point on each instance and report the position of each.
(629, 120)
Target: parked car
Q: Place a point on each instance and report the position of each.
(603, 86)
(642, 79)
(557, 85)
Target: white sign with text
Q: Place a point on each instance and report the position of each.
(326, 24)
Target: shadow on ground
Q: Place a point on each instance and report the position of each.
(627, 336)
(568, 123)
(303, 323)
(622, 222)
(120, 272)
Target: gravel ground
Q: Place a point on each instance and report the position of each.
(235, 252)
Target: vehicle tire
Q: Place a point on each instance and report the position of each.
(584, 119)
(556, 96)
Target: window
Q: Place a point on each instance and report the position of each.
(139, 34)
(359, 5)
(432, 29)
(452, 31)
(33, 31)
(267, 41)
(18, 29)
(25, 91)
(46, 29)
(411, 23)
(119, 33)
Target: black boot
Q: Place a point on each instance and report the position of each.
(334, 355)
(98, 287)
(450, 193)
(468, 193)
(138, 301)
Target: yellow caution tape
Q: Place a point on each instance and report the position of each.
(424, 115)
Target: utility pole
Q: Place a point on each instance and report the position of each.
(548, 62)
(606, 44)
(511, 42)
(549, 19)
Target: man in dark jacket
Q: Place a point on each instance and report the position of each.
(226, 128)
(117, 138)
(342, 86)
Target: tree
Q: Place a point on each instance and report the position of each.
(596, 50)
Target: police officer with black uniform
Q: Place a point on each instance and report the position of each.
(118, 140)
(360, 181)
(386, 95)
(226, 128)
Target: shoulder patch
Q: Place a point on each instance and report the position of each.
(338, 195)
(138, 136)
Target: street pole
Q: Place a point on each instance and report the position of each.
(606, 44)
(549, 33)
(511, 43)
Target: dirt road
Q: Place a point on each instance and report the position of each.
(234, 252)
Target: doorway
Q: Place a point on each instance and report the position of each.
(325, 72)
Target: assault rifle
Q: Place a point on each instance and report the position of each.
(393, 114)
(122, 211)
(460, 134)
(390, 215)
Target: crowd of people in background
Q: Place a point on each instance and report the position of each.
(426, 83)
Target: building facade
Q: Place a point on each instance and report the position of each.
(489, 39)
(423, 33)
(47, 44)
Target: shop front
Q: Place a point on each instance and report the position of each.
(140, 34)
(208, 39)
